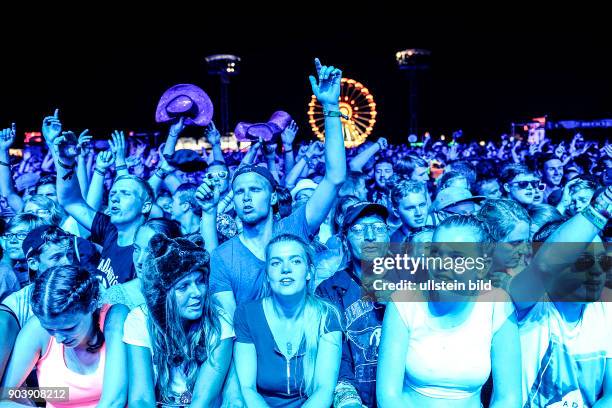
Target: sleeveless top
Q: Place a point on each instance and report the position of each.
(84, 389)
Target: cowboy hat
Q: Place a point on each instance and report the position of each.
(186, 100)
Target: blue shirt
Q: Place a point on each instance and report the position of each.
(279, 380)
(233, 267)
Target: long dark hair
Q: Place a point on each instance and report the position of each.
(68, 289)
(173, 346)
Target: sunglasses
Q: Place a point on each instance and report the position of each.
(586, 262)
(218, 174)
(536, 184)
(379, 228)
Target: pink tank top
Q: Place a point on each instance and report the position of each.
(84, 389)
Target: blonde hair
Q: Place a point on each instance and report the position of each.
(315, 315)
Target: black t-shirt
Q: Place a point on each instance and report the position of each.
(116, 264)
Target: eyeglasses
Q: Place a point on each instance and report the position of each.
(219, 174)
(19, 235)
(536, 184)
(379, 228)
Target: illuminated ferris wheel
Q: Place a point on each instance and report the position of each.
(357, 103)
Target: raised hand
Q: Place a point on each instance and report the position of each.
(163, 163)
(560, 150)
(177, 128)
(327, 90)
(382, 143)
(104, 160)
(117, 145)
(269, 150)
(288, 135)
(302, 150)
(47, 161)
(7, 137)
(84, 143)
(65, 147)
(51, 127)
(212, 134)
(207, 195)
(453, 153)
(315, 149)
(607, 149)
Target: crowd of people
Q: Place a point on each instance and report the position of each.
(149, 276)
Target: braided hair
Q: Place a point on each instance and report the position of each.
(68, 289)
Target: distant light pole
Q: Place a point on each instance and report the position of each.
(225, 66)
(411, 61)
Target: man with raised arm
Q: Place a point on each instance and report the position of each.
(237, 266)
(129, 201)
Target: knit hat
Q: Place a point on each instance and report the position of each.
(171, 260)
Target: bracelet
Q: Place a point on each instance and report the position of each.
(594, 217)
(67, 167)
(4, 164)
(122, 167)
(335, 114)
(100, 172)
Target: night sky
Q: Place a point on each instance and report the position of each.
(483, 75)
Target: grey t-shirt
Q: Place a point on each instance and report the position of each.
(233, 267)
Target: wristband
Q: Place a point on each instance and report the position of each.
(335, 114)
(595, 218)
(66, 166)
(100, 172)
(122, 167)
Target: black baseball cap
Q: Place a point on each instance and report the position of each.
(38, 237)
(252, 168)
(363, 209)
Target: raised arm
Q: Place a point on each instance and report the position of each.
(288, 136)
(306, 157)
(159, 175)
(560, 250)
(117, 146)
(251, 154)
(357, 162)
(7, 137)
(270, 155)
(64, 155)
(84, 151)
(214, 138)
(208, 197)
(327, 91)
(95, 194)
